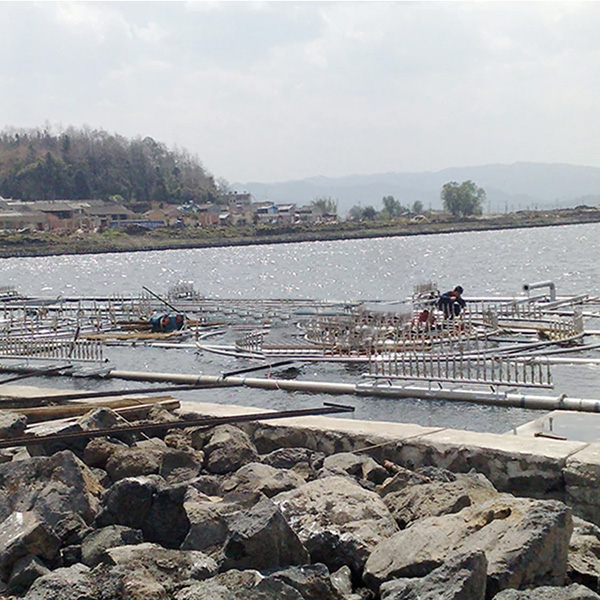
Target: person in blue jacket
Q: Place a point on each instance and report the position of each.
(451, 303)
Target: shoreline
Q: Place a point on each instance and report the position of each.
(29, 249)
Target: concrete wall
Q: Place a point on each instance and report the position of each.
(524, 466)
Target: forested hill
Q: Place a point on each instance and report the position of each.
(80, 164)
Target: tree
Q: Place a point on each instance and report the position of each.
(369, 213)
(391, 207)
(417, 207)
(463, 200)
(327, 205)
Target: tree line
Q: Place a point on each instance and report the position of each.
(85, 163)
(460, 200)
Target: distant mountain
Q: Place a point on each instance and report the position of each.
(508, 187)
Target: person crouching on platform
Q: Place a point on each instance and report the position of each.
(451, 303)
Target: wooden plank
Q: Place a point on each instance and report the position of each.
(40, 414)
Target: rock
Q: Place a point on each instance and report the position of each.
(147, 503)
(99, 540)
(134, 461)
(71, 530)
(342, 581)
(12, 425)
(160, 414)
(103, 418)
(167, 522)
(176, 438)
(71, 583)
(571, 592)
(170, 569)
(98, 418)
(361, 467)
(309, 582)
(288, 458)
(128, 502)
(260, 538)
(268, 438)
(207, 516)
(230, 585)
(70, 555)
(25, 571)
(426, 500)
(525, 542)
(53, 487)
(401, 478)
(338, 521)
(462, 577)
(419, 501)
(257, 477)
(181, 464)
(23, 533)
(98, 450)
(211, 485)
(584, 554)
(228, 449)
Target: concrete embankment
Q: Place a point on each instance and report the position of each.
(521, 465)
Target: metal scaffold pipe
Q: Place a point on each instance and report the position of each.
(495, 398)
(527, 287)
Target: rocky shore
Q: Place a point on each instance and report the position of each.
(272, 512)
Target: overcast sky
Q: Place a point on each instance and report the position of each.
(272, 91)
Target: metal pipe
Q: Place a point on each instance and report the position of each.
(527, 287)
(533, 402)
(388, 391)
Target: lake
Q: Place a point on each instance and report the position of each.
(484, 263)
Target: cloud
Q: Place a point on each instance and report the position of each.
(279, 90)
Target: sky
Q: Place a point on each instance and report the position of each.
(278, 91)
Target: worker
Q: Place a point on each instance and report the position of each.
(425, 318)
(451, 303)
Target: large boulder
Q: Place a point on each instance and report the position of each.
(244, 532)
(258, 477)
(53, 487)
(525, 541)
(312, 582)
(308, 582)
(181, 464)
(260, 538)
(140, 459)
(98, 450)
(363, 468)
(12, 424)
(302, 460)
(150, 566)
(228, 449)
(462, 577)
(338, 521)
(419, 501)
(584, 554)
(128, 502)
(24, 572)
(207, 517)
(571, 592)
(70, 583)
(98, 541)
(22, 534)
(149, 504)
